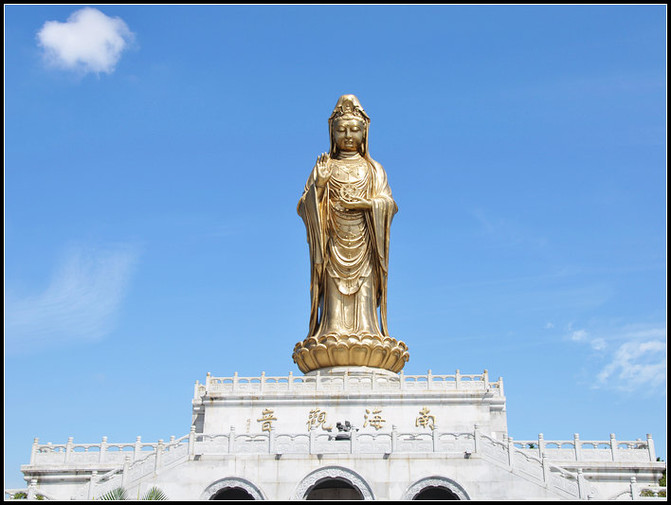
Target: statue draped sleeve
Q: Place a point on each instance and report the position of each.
(311, 211)
(384, 208)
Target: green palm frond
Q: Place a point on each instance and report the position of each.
(118, 493)
(154, 494)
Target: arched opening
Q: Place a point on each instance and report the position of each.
(334, 489)
(232, 493)
(435, 493)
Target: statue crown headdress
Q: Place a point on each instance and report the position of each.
(348, 106)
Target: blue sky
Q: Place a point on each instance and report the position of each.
(151, 233)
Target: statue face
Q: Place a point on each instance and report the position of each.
(348, 134)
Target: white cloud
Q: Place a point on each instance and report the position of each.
(89, 41)
(638, 362)
(80, 303)
(636, 365)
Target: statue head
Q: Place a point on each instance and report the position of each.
(349, 115)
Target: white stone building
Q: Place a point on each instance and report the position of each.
(349, 433)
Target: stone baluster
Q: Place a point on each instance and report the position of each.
(651, 447)
(231, 440)
(68, 449)
(158, 458)
(613, 447)
(103, 450)
(541, 445)
(33, 450)
(511, 452)
(581, 485)
(634, 489)
(291, 381)
(485, 380)
(546, 469)
(32, 490)
(235, 382)
(500, 383)
(208, 381)
(263, 381)
(429, 379)
(92, 482)
(171, 443)
(192, 442)
(394, 438)
(577, 447)
(137, 450)
(402, 380)
(476, 438)
(457, 380)
(124, 472)
(352, 441)
(271, 440)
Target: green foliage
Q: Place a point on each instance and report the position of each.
(154, 494)
(118, 493)
(20, 496)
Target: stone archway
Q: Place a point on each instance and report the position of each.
(435, 488)
(232, 488)
(333, 477)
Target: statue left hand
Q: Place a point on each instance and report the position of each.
(357, 204)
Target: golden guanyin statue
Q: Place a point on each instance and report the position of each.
(347, 209)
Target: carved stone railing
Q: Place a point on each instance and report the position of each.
(590, 450)
(109, 454)
(131, 471)
(641, 492)
(383, 382)
(539, 470)
(522, 462)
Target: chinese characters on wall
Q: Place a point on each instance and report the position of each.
(373, 417)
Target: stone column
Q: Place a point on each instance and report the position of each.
(33, 451)
(651, 447)
(158, 457)
(92, 483)
(124, 474)
(394, 436)
(581, 484)
(613, 447)
(634, 489)
(577, 448)
(103, 449)
(32, 490)
(192, 442)
(138, 448)
(68, 449)
(511, 452)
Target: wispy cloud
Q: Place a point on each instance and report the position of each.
(80, 303)
(89, 41)
(635, 356)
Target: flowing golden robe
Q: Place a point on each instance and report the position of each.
(349, 249)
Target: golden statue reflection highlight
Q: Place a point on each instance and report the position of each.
(347, 209)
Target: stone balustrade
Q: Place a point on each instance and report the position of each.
(590, 450)
(134, 461)
(382, 382)
(109, 454)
